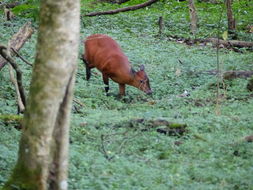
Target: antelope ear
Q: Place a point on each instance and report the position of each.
(142, 68)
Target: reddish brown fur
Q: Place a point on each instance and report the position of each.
(105, 54)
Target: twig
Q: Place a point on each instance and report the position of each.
(180, 61)
(23, 59)
(103, 149)
(78, 102)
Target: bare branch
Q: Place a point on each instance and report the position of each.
(4, 53)
(23, 59)
(21, 107)
(18, 40)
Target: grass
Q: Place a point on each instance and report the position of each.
(211, 155)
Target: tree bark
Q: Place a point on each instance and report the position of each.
(18, 40)
(193, 17)
(43, 153)
(148, 3)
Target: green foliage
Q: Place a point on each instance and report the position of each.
(109, 153)
(30, 9)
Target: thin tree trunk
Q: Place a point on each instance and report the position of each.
(193, 17)
(231, 20)
(43, 152)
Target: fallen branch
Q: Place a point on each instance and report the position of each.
(228, 75)
(18, 40)
(131, 8)
(3, 52)
(9, 5)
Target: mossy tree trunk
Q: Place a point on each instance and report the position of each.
(43, 153)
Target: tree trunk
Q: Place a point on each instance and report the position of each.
(193, 16)
(161, 24)
(231, 20)
(43, 152)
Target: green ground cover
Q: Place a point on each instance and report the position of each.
(107, 152)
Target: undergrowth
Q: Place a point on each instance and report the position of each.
(106, 152)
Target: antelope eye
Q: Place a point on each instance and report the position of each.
(142, 81)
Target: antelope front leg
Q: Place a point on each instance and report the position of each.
(122, 89)
(88, 73)
(106, 82)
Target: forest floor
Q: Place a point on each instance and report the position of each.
(113, 144)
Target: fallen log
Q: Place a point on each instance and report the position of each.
(18, 40)
(131, 8)
(11, 118)
(228, 75)
(229, 43)
(233, 44)
(14, 120)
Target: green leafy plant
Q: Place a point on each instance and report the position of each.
(29, 9)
